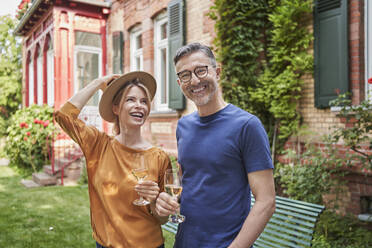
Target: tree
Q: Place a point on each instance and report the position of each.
(10, 71)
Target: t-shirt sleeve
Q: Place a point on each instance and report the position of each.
(255, 146)
(85, 136)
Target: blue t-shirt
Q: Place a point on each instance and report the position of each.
(216, 152)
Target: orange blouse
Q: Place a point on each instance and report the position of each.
(115, 221)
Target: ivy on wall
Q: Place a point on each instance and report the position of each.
(263, 46)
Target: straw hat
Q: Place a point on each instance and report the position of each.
(105, 105)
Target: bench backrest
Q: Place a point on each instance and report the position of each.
(292, 224)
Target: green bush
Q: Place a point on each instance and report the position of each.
(29, 138)
(313, 173)
(336, 231)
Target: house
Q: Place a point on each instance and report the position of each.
(68, 43)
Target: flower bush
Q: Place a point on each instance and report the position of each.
(29, 138)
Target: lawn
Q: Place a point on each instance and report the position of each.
(47, 217)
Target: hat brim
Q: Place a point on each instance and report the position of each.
(105, 105)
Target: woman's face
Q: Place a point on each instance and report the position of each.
(133, 109)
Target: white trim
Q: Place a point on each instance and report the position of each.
(159, 45)
(39, 70)
(134, 52)
(50, 77)
(31, 83)
(368, 47)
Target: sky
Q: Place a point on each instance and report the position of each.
(8, 7)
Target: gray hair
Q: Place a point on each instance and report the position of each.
(195, 47)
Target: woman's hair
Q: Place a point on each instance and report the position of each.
(120, 96)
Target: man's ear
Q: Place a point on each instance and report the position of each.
(218, 72)
(115, 109)
(179, 82)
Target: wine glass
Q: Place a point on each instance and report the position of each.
(173, 186)
(140, 173)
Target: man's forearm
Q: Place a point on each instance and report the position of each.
(254, 224)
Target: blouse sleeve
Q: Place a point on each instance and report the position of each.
(86, 136)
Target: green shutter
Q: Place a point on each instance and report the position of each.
(117, 53)
(175, 41)
(330, 50)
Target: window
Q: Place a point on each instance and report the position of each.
(50, 74)
(87, 67)
(136, 51)
(161, 63)
(39, 69)
(368, 52)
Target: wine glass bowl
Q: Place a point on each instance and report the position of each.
(140, 173)
(173, 186)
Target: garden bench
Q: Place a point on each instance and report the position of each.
(292, 224)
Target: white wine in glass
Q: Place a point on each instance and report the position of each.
(140, 173)
(173, 186)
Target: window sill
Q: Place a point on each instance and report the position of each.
(162, 114)
(365, 217)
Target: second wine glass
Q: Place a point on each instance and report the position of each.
(173, 186)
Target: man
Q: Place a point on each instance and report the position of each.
(224, 155)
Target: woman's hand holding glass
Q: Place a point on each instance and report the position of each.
(148, 190)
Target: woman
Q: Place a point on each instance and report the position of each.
(115, 220)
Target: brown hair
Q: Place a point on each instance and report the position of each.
(122, 93)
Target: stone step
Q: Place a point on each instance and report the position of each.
(44, 179)
(48, 170)
(29, 183)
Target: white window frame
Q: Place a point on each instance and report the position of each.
(368, 47)
(50, 76)
(31, 82)
(39, 69)
(89, 114)
(158, 46)
(134, 52)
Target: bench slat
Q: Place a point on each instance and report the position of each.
(269, 237)
(281, 229)
(310, 231)
(261, 243)
(293, 220)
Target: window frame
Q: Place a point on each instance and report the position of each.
(159, 45)
(134, 52)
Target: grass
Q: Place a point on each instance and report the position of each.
(45, 217)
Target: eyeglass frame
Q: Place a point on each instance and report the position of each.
(185, 82)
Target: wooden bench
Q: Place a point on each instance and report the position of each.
(292, 224)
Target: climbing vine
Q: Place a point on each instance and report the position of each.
(263, 46)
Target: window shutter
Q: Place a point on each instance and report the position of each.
(175, 41)
(330, 50)
(117, 53)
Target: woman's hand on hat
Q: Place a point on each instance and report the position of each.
(106, 80)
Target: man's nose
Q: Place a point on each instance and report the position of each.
(194, 79)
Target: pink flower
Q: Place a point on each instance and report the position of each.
(370, 80)
(23, 124)
(28, 133)
(25, 138)
(36, 121)
(45, 123)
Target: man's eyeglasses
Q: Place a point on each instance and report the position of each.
(186, 75)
